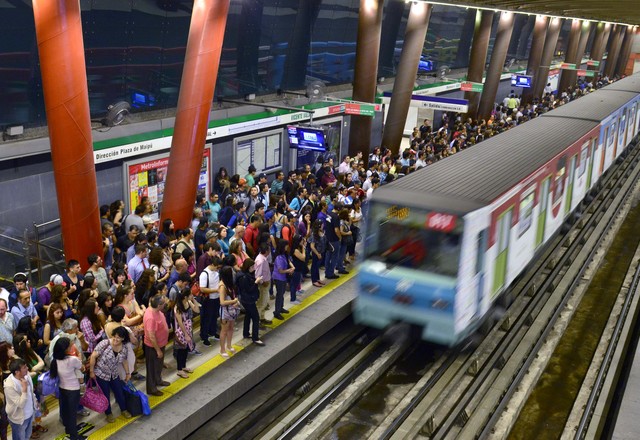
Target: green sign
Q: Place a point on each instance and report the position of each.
(567, 66)
(593, 63)
(468, 86)
(360, 109)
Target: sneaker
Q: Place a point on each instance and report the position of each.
(195, 352)
(137, 376)
(126, 414)
(300, 292)
(259, 343)
(83, 413)
(110, 418)
(296, 302)
(206, 343)
(216, 337)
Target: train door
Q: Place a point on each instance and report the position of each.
(481, 250)
(622, 133)
(542, 216)
(572, 170)
(503, 232)
(594, 147)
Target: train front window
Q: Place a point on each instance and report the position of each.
(412, 238)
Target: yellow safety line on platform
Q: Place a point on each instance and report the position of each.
(110, 428)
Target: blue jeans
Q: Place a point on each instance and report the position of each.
(315, 268)
(23, 431)
(294, 284)
(281, 286)
(341, 256)
(114, 385)
(209, 318)
(331, 260)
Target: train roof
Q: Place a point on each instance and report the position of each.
(475, 177)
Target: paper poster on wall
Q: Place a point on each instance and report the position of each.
(146, 178)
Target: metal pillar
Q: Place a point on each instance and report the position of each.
(479, 48)
(365, 71)
(625, 51)
(614, 50)
(535, 54)
(571, 54)
(597, 49)
(204, 46)
(498, 56)
(405, 78)
(550, 42)
(64, 79)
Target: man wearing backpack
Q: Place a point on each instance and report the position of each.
(209, 281)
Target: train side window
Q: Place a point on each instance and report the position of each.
(526, 210)
(584, 155)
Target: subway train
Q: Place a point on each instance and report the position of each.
(444, 243)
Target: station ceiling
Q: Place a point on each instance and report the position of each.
(615, 11)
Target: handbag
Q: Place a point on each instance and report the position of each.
(132, 399)
(94, 398)
(180, 336)
(48, 385)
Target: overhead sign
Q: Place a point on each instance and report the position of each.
(567, 66)
(360, 109)
(434, 103)
(468, 86)
(593, 63)
(582, 72)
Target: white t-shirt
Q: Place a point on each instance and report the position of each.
(67, 368)
(210, 280)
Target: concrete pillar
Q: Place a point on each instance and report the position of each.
(202, 59)
(582, 45)
(614, 50)
(535, 55)
(597, 49)
(570, 54)
(365, 71)
(64, 80)
(479, 48)
(498, 56)
(625, 51)
(405, 78)
(550, 42)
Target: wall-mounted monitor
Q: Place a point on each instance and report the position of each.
(310, 138)
(521, 80)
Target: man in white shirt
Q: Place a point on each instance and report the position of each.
(209, 283)
(7, 323)
(20, 400)
(345, 166)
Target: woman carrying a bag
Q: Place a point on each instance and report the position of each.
(103, 367)
(65, 367)
(318, 248)
(229, 310)
(183, 312)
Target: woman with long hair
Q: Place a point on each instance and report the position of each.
(23, 350)
(168, 232)
(116, 210)
(156, 263)
(184, 309)
(53, 326)
(27, 327)
(221, 182)
(236, 250)
(134, 313)
(59, 296)
(6, 354)
(190, 258)
(229, 310)
(90, 324)
(105, 303)
(119, 277)
(317, 247)
(108, 354)
(65, 367)
(142, 291)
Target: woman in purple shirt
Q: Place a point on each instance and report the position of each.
(281, 268)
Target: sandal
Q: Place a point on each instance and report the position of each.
(318, 284)
(225, 355)
(182, 374)
(232, 350)
(187, 370)
(40, 428)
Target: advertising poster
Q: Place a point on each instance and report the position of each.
(147, 177)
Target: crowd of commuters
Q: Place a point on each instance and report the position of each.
(249, 243)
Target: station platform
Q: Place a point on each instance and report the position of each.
(217, 382)
(627, 426)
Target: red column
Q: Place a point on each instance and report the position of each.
(64, 80)
(365, 72)
(204, 46)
